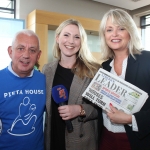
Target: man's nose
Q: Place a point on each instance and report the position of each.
(26, 53)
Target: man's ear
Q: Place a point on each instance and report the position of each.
(39, 54)
(10, 51)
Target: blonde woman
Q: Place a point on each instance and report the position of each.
(121, 47)
(74, 68)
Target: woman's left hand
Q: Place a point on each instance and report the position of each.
(119, 117)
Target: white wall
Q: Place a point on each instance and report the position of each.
(51, 37)
(83, 8)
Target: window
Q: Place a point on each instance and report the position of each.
(8, 28)
(9, 25)
(145, 26)
(8, 8)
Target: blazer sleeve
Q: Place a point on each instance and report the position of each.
(138, 74)
(77, 88)
(92, 112)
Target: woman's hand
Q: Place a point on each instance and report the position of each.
(69, 111)
(119, 117)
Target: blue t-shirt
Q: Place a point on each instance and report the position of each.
(22, 104)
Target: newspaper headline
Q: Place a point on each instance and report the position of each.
(106, 88)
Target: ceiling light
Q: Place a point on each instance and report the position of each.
(135, 0)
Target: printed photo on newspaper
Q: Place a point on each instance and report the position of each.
(106, 88)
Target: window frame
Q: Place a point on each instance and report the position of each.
(143, 26)
(10, 9)
(143, 21)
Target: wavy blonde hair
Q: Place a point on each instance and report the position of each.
(123, 19)
(86, 65)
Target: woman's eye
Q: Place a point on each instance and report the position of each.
(121, 28)
(108, 30)
(65, 34)
(77, 37)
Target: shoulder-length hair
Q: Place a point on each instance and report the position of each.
(86, 65)
(123, 19)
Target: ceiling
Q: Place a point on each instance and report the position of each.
(127, 4)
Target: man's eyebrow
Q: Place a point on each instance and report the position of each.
(33, 47)
(20, 45)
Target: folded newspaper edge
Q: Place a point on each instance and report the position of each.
(106, 88)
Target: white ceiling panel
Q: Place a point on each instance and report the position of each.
(127, 4)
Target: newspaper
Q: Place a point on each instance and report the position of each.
(106, 88)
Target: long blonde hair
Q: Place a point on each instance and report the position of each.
(86, 65)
